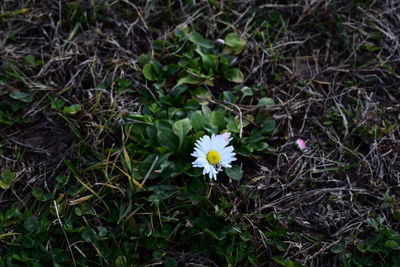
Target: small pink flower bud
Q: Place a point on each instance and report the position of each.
(301, 144)
(221, 41)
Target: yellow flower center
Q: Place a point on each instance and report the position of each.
(213, 157)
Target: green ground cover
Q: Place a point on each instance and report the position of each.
(101, 103)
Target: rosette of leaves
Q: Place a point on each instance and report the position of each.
(164, 134)
(192, 60)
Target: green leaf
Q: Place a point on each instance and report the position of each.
(178, 89)
(7, 178)
(146, 164)
(229, 96)
(260, 146)
(234, 40)
(391, 244)
(217, 119)
(148, 72)
(152, 138)
(206, 111)
(188, 79)
(244, 151)
(143, 59)
(88, 235)
(167, 138)
(7, 174)
(158, 68)
(38, 193)
(120, 261)
(201, 91)
(57, 104)
(62, 179)
(192, 104)
(234, 75)
(173, 69)
(245, 236)
(181, 128)
(268, 128)
(73, 109)
(213, 234)
(30, 60)
(254, 138)
(199, 40)
(234, 44)
(31, 224)
(198, 121)
(246, 91)
(339, 247)
(21, 96)
(235, 173)
(209, 61)
(266, 101)
(233, 126)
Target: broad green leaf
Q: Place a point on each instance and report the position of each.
(88, 235)
(233, 40)
(167, 138)
(143, 59)
(391, 244)
(7, 178)
(181, 128)
(197, 120)
(7, 174)
(266, 101)
(148, 72)
(153, 71)
(234, 44)
(201, 91)
(229, 96)
(268, 128)
(192, 104)
(246, 91)
(254, 138)
(206, 111)
(31, 224)
(178, 89)
(199, 40)
(212, 234)
(57, 104)
(30, 60)
(172, 69)
(152, 138)
(158, 44)
(260, 146)
(121, 261)
(233, 126)
(234, 75)
(38, 193)
(339, 247)
(21, 96)
(158, 68)
(146, 164)
(245, 236)
(209, 61)
(73, 109)
(62, 179)
(188, 79)
(217, 119)
(235, 173)
(244, 151)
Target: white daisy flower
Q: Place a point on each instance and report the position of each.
(213, 153)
